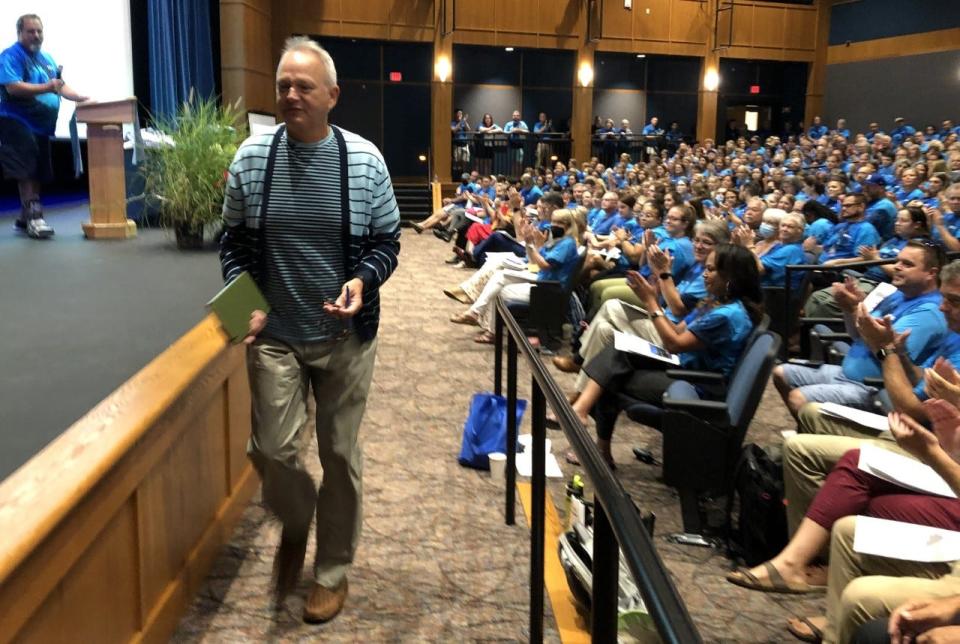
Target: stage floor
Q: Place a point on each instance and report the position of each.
(78, 318)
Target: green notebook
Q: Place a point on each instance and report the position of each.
(234, 304)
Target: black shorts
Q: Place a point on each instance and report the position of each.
(23, 154)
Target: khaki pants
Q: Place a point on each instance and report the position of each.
(612, 316)
(865, 587)
(340, 372)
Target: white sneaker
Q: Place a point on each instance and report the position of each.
(39, 229)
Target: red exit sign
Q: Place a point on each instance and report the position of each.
(396, 77)
(754, 89)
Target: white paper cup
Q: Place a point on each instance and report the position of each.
(498, 466)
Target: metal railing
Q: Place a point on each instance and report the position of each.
(507, 154)
(617, 523)
(608, 148)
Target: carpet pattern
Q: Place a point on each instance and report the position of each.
(436, 562)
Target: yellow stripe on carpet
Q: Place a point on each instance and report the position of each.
(573, 628)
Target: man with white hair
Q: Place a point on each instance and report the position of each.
(309, 211)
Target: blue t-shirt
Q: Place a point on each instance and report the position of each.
(820, 230)
(846, 238)
(605, 225)
(950, 349)
(531, 196)
(891, 248)
(920, 314)
(817, 131)
(775, 262)
(905, 196)
(510, 126)
(691, 289)
(882, 214)
(723, 330)
(681, 250)
(460, 133)
(39, 112)
(651, 130)
(951, 222)
(562, 257)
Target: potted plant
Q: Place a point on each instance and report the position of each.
(185, 176)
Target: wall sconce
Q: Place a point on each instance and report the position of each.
(442, 69)
(711, 80)
(585, 74)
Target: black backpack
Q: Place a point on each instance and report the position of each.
(762, 521)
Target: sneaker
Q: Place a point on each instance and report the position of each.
(325, 603)
(39, 229)
(442, 234)
(453, 260)
(20, 224)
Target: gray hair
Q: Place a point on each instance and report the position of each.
(950, 272)
(302, 43)
(795, 217)
(23, 19)
(715, 230)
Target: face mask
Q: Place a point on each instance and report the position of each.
(766, 230)
(558, 231)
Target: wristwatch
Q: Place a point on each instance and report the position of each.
(656, 314)
(882, 353)
(665, 276)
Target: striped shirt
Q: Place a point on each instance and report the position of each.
(324, 223)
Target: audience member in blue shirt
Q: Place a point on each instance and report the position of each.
(901, 131)
(517, 130)
(911, 223)
(529, 191)
(842, 129)
(818, 130)
(909, 188)
(946, 225)
(787, 251)
(679, 226)
(880, 211)
(679, 297)
(713, 337)
(652, 128)
(915, 306)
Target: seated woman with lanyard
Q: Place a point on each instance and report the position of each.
(556, 260)
(710, 338)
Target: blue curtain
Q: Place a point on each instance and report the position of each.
(181, 55)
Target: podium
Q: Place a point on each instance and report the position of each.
(108, 194)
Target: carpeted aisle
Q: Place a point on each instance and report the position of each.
(436, 563)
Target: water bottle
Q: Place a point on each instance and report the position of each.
(574, 489)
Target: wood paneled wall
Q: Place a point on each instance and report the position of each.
(109, 531)
(912, 45)
(764, 31)
(248, 61)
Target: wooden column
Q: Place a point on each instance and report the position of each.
(707, 99)
(441, 105)
(247, 58)
(582, 113)
(817, 77)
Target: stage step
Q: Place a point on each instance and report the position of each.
(414, 200)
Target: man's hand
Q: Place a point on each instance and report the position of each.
(349, 302)
(913, 618)
(875, 332)
(847, 295)
(912, 437)
(868, 252)
(258, 320)
(54, 85)
(942, 381)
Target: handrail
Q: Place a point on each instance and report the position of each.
(615, 515)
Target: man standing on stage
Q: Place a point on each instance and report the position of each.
(310, 212)
(31, 85)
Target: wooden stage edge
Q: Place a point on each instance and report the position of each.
(110, 530)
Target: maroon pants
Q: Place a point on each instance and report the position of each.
(849, 490)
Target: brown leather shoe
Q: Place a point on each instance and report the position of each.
(287, 566)
(566, 364)
(324, 603)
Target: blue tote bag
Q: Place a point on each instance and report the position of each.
(486, 429)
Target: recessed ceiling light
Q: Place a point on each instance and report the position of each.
(508, 48)
(641, 55)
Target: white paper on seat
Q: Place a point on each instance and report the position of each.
(636, 344)
(611, 254)
(903, 471)
(876, 422)
(525, 465)
(906, 541)
(878, 295)
(524, 275)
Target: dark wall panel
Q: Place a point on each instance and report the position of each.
(355, 59)
(405, 138)
(870, 19)
(673, 74)
(923, 89)
(621, 104)
(485, 65)
(681, 108)
(477, 99)
(619, 71)
(359, 109)
(557, 103)
(413, 60)
(548, 68)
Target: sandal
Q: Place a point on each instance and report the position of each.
(774, 583)
(485, 338)
(466, 318)
(815, 634)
